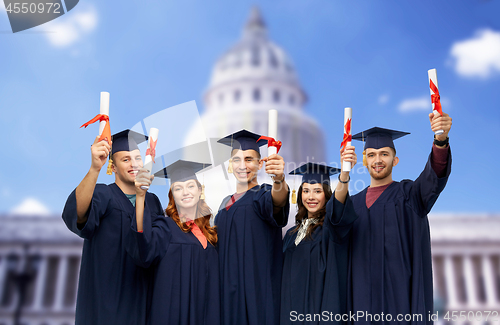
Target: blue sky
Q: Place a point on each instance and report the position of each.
(370, 55)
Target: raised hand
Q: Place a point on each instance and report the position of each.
(439, 122)
(100, 151)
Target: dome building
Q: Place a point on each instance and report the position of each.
(252, 77)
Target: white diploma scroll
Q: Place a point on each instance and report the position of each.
(148, 160)
(272, 131)
(104, 110)
(346, 166)
(433, 76)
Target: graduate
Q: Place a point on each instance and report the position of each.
(390, 252)
(249, 227)
(111, 289)
(314, 284)
(181, 247)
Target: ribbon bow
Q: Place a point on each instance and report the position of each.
(152, 149)
(347, 134)
(271, 142)
(106, 133)
(435, 98)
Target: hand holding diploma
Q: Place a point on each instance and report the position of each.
(346, 141)
(435, 97)
(143, 180)
(150, 152)
(100, 151)
(442, 123)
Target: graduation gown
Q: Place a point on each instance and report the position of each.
(390, 259)
(112, 289)
(186, 276)
(250, 256)
(315, 271)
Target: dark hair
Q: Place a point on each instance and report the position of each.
(233, 152)
(302, 212)
(203, 214)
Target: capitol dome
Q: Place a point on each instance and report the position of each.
(252, 77)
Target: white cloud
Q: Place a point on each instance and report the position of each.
(383, 99)
(422, 103)
(66, 31)
(478, 56)
(31, 206)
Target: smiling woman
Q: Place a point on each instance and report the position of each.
(180, 247)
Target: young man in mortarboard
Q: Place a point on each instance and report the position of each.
(249, 226)
(111, 288)
(391, 265)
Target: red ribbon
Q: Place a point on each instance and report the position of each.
(152, 149)
(106, 133)
(347, 134)
(271, 143)
(435, 98)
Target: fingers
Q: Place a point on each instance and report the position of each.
(274, 164)
(441, 122)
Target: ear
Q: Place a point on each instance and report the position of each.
(261, 163)
(113, 168)
(395, 161)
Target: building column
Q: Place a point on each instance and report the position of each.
(41, 278)
(61, 281)
(489, 281)
(451, 283)
(77, 280)
(470, 282)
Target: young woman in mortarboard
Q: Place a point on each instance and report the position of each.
(315, 264)
(182, 249)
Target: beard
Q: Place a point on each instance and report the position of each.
(387, 171)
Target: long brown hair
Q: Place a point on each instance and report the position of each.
(202, 220)
(302, 212)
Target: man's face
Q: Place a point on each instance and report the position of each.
(126, 164)
(380, 162)
(246, 164)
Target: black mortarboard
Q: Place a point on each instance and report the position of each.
(243, 140)
(377, 138)
(315, 173)
(181, 171)
(126, 140)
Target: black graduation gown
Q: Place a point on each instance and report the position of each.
(315, 271)
(186, 276)
(111, 289)
(250, 256)
(390, 259)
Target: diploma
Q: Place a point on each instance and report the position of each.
(272, 130)
(103, 118)
(346, 141)
(435, 98)
(104, 110)
(150, 152)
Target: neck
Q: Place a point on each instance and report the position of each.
(125, 187)
(189, 213)
(381, 182)
(243, 187)
(309, 215)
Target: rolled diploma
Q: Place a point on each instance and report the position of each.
(104, 110)
(272, 131)
(433, 76)
(148, 160)
(346, 166)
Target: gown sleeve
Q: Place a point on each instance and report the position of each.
(425, 190)
(339, 217)
(100, 206)
(264, 207)
(148, 247)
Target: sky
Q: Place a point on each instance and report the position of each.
(372, 56)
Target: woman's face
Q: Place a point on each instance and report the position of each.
(313, 197)
(186, 194)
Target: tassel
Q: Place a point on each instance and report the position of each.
(365, 162)
(230, 166)
(202, 196)
(110, 163)
(294, 197)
